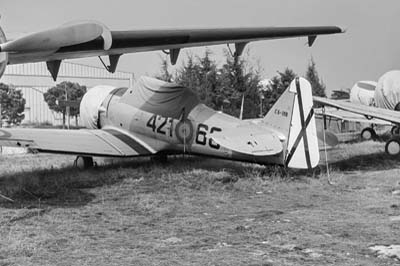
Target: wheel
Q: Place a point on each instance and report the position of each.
(392, 147)
(84, 162)
(368, 133)
(395, 130)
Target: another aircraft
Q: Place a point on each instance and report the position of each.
(379, 101)
(331, 114)
(158, 118)
(362, 93)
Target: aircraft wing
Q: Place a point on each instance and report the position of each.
(367, 111)
(349, 116)
(85, 39)
(255, 143)
(107, 142)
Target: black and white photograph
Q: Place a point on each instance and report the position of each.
(181, 132)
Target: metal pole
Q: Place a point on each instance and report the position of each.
(1, 117)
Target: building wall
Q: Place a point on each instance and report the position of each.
(34, 80)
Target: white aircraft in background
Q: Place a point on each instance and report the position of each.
(374, 103)
(158, 118)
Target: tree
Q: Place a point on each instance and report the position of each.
(12, 104)
(279, 84)
(317, 85)
(164, 72)
(340, 94)
(201, 74)
(61, 92)
(221, 88)
(239, 79)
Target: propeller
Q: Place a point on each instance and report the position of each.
(55, 38)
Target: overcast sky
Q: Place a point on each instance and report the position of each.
(369, 48)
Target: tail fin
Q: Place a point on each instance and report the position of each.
(293, 116)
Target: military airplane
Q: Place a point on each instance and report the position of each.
(362, 93)
(155, 117)
(378, 103)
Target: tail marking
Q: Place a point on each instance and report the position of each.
(303, 132)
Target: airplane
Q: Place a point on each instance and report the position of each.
(377, 107)
(155, 118)
(331, 114)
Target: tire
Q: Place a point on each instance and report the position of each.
(84, 162)
(392, 147)
(368, 134)
(395, 130)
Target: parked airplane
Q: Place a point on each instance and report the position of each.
(363, 92)
(155, 117)
(384, 105)
(331, 114)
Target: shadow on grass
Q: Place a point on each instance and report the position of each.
(367, 162)
(70, 187)
(62, 187)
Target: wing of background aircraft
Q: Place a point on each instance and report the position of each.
(101, 142)
(86, 39)
(349, 116)
(367, 111)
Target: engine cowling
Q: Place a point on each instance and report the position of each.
(3, 55)
(363, 92)
(90, 107)
(387, 93)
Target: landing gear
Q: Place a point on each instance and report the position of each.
(84, 162)
(395, 130)
(392, 147)
(368, 133)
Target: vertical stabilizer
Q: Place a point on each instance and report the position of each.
(293, 116)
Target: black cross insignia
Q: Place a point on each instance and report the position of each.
(303, 131)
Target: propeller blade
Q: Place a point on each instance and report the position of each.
(54, 38)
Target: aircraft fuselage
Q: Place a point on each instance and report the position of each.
(189, 135)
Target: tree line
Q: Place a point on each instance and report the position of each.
(222, 87)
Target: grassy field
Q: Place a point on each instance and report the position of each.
(197, 211)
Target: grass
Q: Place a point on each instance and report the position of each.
(194, 211)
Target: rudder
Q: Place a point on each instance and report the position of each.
(293, 116)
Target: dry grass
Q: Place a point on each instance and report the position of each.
(198, 212)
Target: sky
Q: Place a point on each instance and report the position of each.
(369, 48)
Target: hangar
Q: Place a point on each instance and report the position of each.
(34, 80)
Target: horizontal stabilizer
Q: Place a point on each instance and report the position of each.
(257, 143)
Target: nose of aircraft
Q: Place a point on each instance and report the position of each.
(90, 105)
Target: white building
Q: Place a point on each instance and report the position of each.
(34, 79)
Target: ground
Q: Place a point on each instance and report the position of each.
(198, 211)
